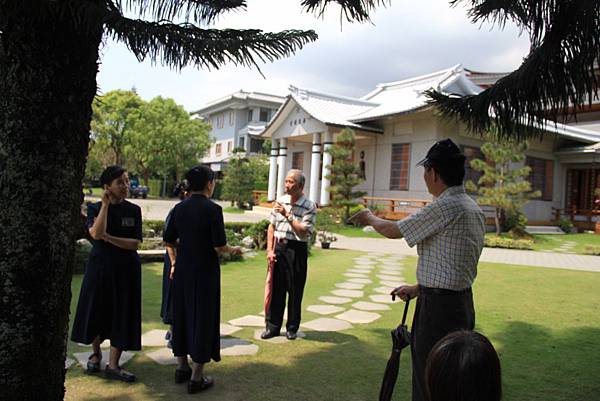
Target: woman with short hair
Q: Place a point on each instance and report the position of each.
(109, 305)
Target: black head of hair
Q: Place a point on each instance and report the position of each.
(198, 177)
(111, 173)
(463, 366)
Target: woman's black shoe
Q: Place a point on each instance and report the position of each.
(182, 375)
(119, 374)
(197, 386)
(94, 367)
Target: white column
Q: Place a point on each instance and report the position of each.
(327, 159)
(281, 167)
(273, 170)
(315, 167)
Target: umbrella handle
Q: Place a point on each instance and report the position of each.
(405, 311)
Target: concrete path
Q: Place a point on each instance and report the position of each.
(494, 255)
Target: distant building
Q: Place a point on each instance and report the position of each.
(395, 126)
(237, 120)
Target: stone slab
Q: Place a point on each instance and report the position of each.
(69, 362)
(228, 329)
(360, 280)
(348, 293)
(395, 273)
(163, 356)
(350, 286)
(82, 358)
(325, 309)
(154, 338)
(356, 275)
(281, 338)
(387, 277)
(237, 347)
(327, 324)
(358, 316)
(359, 271)
(335, 300)
(384, 289)
(365, 262)
(393, 284)
(384, 299)
(389, 266)
(370, 306)
(248, 320)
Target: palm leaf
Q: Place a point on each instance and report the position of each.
(352, 10)
(191, 10)
(178, 45)
(555, 80)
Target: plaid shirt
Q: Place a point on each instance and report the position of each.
(449, 236)
(304, 211)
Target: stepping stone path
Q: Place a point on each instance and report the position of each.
(566, 247)
(325, 309)
(356, 288)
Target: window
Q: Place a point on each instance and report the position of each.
(400, 167)
(231, 118)
(249, 115)
(218, 149)
(241, 142)
(229, 146)
(298, 160)
(472, 153)
(541, 176)
(265, 115)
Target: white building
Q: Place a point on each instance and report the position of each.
(237, 121)
(395, 126)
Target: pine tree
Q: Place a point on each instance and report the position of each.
(344, 173)
(239, 181)
(501, 185)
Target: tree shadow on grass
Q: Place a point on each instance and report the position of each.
(324, 366)
(549, 365)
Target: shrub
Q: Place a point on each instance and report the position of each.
(157, 226)
(565, 224)
(592, 250)
(494, 241)
(258, 232)
(515, 219)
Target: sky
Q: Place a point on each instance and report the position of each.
(405, 39)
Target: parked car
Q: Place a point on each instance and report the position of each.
(136, 190)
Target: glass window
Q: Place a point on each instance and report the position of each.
(298, 160)
(541, 176)
(265, 114)
(400, 167)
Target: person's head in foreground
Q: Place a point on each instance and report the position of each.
(444, 167)
(463, 366)
(201, 179)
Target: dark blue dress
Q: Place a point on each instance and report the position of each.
(166, 306)
(197, 223)
(109, 303)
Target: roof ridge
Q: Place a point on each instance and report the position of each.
(302, 92)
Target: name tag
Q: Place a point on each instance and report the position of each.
(127, 222)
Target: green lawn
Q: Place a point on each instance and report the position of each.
(545, 324)
(353, 231)
(551, 242)
(235, 210)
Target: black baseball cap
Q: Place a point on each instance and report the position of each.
(441, 153)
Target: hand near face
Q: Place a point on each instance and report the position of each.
(279, 208)
(106, 196)
(361, 218)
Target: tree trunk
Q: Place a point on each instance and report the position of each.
(497, 220)
(48, 67)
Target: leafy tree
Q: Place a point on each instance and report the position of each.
(116, 115)
(344, 173)
(49, 58)
(239, 181)
(260, 169)
(556, 79)
(501, 185)
(165, 138)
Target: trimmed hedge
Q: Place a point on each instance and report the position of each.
(494, 241)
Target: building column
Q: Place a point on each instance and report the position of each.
(315, 167)
(281, 167)
(273, 170)
(327, 159)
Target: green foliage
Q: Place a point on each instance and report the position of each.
(82, 253)
(260, 169)
(502, 186)
(239, 181)
(592, 250)
(327, 218)
(515, 219)
(565, 224)
(495, 241)
(344, 173)
(218, 189)
(153, 226)
(258, 232)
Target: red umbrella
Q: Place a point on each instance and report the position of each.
(268, 287)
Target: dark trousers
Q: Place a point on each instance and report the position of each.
(289, 277)
(438, 312)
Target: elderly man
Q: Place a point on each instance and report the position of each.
(292, 222)
(449, 235)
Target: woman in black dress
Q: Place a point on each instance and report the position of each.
(197, 234)
(109, 304)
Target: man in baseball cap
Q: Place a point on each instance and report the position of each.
(449, 235)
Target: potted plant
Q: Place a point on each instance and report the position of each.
(326, 238)
(324, 224)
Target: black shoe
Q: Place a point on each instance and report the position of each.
(119, 374)
(269, 334)
(197, 386)
(168, 335)
(291, 335)
(93, 367)
(182, 375)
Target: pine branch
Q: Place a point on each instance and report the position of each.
(197, 11)
(352, 10)
(555, 80)
(185, 44)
